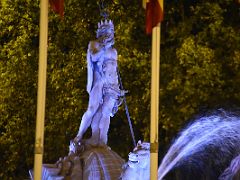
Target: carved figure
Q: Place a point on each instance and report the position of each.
(86, 159)
(102, 85)
(138, 165)
(90, 163)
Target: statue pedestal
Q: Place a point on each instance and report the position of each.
(92, 163)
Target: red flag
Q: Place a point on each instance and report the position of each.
(57, 6)
(154, 14)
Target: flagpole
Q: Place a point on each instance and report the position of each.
(155, 78)
(42, 71)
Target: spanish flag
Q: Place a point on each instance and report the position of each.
(57, 6)
(154, 14)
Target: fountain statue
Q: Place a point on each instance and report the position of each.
(102, 85)
(92, 159)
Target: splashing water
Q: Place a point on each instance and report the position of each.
(220, 135)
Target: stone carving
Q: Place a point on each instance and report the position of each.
(102, 85)
(92, 159)
(88, 163)
(138, 165)
(98, 161)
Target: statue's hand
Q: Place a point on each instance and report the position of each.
(123, 92)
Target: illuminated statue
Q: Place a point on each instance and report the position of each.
(138, 165)
(92, 158)
(102, 85)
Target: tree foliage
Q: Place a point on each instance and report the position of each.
(200, 49)
(200, 61)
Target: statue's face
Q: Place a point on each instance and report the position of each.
(105, 34)
(108, 38)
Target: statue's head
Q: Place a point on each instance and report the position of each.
(140, 157)
(105, 31)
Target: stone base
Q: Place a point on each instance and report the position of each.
(93, 163)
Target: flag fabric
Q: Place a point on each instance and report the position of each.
(57, 6)
(154, 14)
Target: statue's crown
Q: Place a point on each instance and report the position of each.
(105, 25)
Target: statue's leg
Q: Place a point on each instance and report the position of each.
(105, 120)
(95, 98)
(95, 127)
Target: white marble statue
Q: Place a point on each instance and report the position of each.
(102, 85)
(138, 165)
(92, 159)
